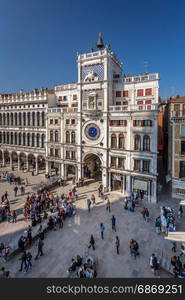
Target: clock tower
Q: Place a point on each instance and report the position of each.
(95, 88)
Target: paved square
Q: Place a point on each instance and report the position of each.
(61, 245)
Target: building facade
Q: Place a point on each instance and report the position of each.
(176, 145)
(104, 126)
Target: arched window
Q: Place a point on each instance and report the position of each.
(20, 119)
(43, 119)
(7, 138)
(72, 137)
(8, 119)
(28, 139)
(4, 138)
(33, 140)
(20, 138)
(24, 139)
(28, 118)
(0, 137)
(24, 119)
(15, 138)
(11, 138)
(113, 141)
(15, 119)
(38, 140)
(51, 136)
(38, 118)
(121, 141)
(33, 118)
(67, 137)
(0, 119)
(11, 119)
(137, 142)
(42, 140)
(146, 143)
(4, 119)
(56, 136)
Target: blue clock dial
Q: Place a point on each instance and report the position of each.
(92, 131)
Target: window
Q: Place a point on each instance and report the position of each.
(0, 137)
(51, 152)
(183, 109)
(38, 118)
(118, 103)
(38, 140)
(146, 143)
(72, 137)
(43, 118)
(140, 102)
(20, 138)
(24, 139)
(56, 121)
(42, 140)
(113, 162)
(67, 121)
(56, 136)
(118, 93)
(137, 165)
(117, 122)
(177, 109)
(146, 166)
(137, 142)
(183, 147)
(182, 169)
(74, 97)
(33, 140)
(33, 118)
(121, 141)
(113, 141)
(73, 121)
(57, 152)
(51, 136)
(121, 163)
(148, 92)
(64, 98)
(148, 123)
(139, 93)
(183, 130)
(125, 93)
(28, 139)
(67, 137)
(100, 104)
(67, 154)
(148, 102)
(28, 118)
(51, 121)
(73, 155)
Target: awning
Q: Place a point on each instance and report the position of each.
(176, 236)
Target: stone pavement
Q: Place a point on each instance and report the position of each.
(61, 245)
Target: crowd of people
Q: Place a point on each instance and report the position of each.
(165, 222)
(82, 267)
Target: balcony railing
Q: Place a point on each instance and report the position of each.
(129, 108)
(137, 78)
(178, 113)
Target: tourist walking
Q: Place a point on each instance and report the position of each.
(108, 206)
(113, 220)
(158, 225)
(154, 264)
(147, 215)
(23, 261)
(180, 212)
(28, 261)
(89, 205)
(29, 235)
(40, 249)
(15, 191)
(117, 244)
(92, 242)
(93, 199)
(102, 229)
(134, 247)
(14, 216)
(174, 247)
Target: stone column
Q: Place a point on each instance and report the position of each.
(36, 165)
(3, 159)
(129, 184)
(19, 162)
(154, 191)
(47, 167)
(27, 163)
(11, 161)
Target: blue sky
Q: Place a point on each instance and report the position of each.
(39, 40)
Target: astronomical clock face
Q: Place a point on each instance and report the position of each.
(92, 131)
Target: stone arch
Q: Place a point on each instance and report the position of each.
(92, 165)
